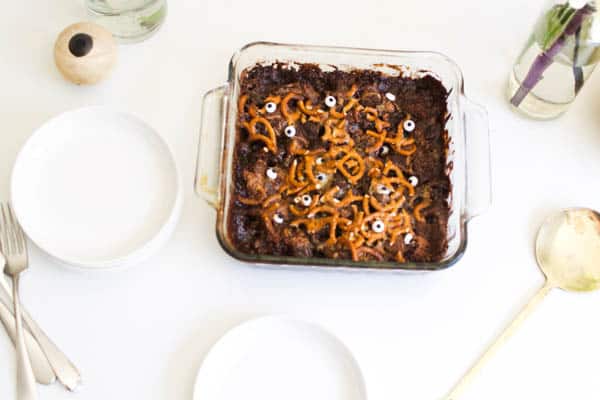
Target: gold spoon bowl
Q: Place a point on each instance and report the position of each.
(568, 250)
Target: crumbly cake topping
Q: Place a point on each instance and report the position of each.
(331, 171)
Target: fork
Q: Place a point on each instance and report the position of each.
(14, 248)
(62, 367)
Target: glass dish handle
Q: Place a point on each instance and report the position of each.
(210, 145)
(479, 178)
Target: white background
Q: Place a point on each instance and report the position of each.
(142, 333)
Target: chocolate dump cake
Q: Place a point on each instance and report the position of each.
(340, 164)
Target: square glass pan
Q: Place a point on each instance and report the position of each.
(468, 155)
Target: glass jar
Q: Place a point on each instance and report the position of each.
(129, 20)
(558, 58)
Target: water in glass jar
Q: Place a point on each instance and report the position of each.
(564, 77)
(129, 20)
(557, 90)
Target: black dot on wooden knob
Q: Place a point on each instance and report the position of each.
(81, 44)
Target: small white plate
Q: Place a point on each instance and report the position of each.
(275, 358)
(96, 188)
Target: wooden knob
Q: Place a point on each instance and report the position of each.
(85, 53)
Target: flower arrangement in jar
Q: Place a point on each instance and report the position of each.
(560, 55)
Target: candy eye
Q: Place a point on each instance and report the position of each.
(306, 200)
(408, 238)
(390, 96)
(271, 107)
(330, 101)
(413, 180)
(290, 131)
(378, 226)
(321, 177)
(319, 161)
(278, 219)
(271, 174)
(409, 125)
(382, 189)
(384, 150)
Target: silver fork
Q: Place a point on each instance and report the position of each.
(62, 367)
(14, 248)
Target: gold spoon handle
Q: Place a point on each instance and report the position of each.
(504, 336)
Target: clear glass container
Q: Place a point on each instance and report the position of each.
(467, 127)
(129, 21)
(558, 58)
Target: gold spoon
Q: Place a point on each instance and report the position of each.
(568, 253)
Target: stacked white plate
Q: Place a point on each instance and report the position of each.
(96, 188)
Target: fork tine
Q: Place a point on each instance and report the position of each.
(11, 217)
(10, 240)
(10, 243)
(3, 219)
(3, 233)
(19, 235)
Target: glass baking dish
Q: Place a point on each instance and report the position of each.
(468, 155)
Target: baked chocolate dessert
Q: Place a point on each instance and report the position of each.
(340, 164)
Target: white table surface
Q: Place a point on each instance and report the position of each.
(142, 333)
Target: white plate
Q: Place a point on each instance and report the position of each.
(275, 358)
(96, 188)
